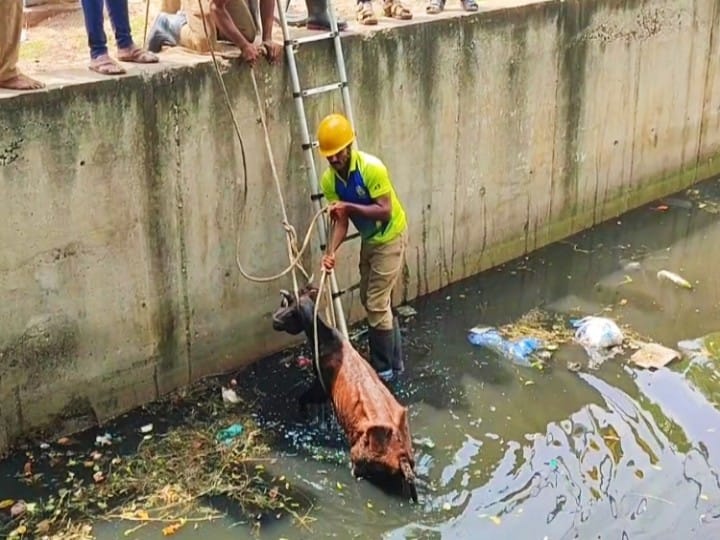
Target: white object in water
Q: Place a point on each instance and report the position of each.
(229, 395)
(146, 428)
(674, 278)
(598, 333)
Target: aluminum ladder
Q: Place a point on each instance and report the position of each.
(291, 46)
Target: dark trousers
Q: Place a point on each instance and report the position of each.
(94, 24)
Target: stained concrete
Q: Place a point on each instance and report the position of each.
(124, 198)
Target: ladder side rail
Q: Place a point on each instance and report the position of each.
(310, 161)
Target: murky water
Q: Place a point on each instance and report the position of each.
(612, 453)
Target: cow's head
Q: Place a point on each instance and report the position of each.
(293, 315)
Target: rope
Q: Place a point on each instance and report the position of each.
(291, 235)
(294, 258)
(294, 254)
(147, 17)
(227, 101)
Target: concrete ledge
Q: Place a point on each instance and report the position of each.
(124, 198)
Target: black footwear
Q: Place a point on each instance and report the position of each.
(318, 18)
(382, 343)
(398, 360)
(165, 31)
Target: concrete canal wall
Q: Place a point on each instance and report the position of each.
(123, 200)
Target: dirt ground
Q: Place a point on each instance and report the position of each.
(61, 41)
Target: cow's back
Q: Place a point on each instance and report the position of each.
(375, 423)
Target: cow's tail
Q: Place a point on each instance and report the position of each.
(409, 487)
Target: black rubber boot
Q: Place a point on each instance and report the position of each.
(381, 352)
(165, 31)
(398, 360)
(318, 18)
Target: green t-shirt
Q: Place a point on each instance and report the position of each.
(368, 179)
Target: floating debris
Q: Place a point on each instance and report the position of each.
(653, 356)
(674, 278)
(147, 428)
(229, 396)
(519, 351)
(103, 440)
(424, 442)
(406, 311)
(166, 480)
(228, 434)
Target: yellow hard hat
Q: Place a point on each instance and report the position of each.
(334, 133)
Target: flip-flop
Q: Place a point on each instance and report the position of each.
(365, 14)
(396, 10)
(435, 6)
(138, 56)
(104, 65)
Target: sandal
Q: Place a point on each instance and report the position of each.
(137, 56)
(435, 6)
(469, 5)
(105, 65)
(365, 14)
(396, 10)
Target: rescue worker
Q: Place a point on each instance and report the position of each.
(358, 188)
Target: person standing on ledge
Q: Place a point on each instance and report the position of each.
(127, 51)
(358, 188)
(11, 15)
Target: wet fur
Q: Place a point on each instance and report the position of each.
(375, 424)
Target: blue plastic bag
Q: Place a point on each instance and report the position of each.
(519, 351)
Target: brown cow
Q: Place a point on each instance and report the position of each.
(375, 424)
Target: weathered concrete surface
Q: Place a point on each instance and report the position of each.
(123, 200)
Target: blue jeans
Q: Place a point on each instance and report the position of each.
(94, 21)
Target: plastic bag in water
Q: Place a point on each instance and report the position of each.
(519, 351)
(597, 333)
(600, 337)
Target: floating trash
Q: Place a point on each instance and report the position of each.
(600, 337)
(674, 278)
(406, 311)
(103, 440)
(519, 351)
(229, 396)
(424, 442)
(653, 356)
(228, 434)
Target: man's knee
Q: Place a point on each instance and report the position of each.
(379, 317)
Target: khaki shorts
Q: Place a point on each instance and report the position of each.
(192, 35)
(380, 267)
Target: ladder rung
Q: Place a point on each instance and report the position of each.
(344, 291)
(308, 146)
(309, 39)
(320, 89)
